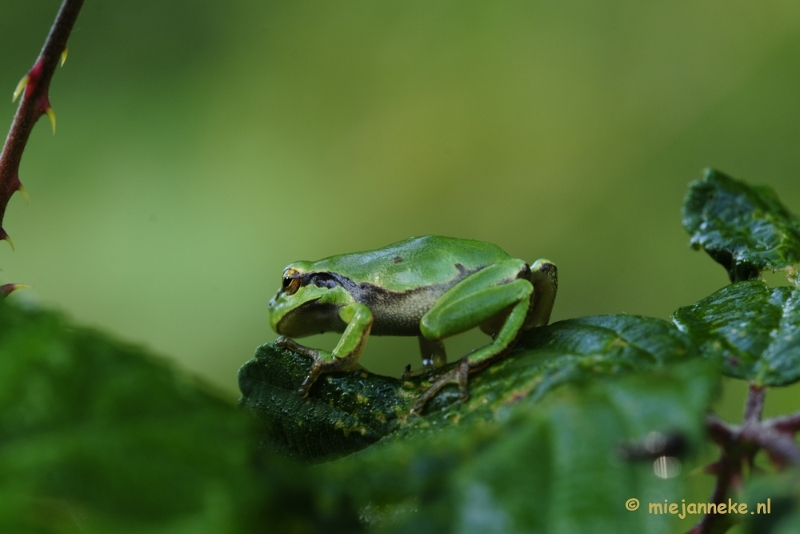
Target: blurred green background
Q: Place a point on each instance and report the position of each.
(202, 146)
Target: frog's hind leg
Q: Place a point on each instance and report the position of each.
(495, 290)
(544, 277)
(477, 299)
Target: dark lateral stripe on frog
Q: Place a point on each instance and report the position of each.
(385, 304)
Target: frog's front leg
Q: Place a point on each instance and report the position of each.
(501, 290)
(344, 356)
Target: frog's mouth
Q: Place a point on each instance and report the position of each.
(310, 318)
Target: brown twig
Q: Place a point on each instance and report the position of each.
(782, 448)
(739, 445)
(754, 406)
(728, 470)
(35, 103)
(786, 423)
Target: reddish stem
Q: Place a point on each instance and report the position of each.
(35, 102)
(754, 406)
(739, 445)
(786, 423)
(727, 469)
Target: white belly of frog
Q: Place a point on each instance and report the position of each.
(400, 313)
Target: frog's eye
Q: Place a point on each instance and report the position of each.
(291, 284)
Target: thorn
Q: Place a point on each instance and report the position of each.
(52, 116)
(7, 289)
(8, 238)
(20, 87)
(64, 56)
(24, 194)
(43, 107)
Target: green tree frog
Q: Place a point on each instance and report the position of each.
(431, 287)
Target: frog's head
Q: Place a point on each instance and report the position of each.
(307, 303)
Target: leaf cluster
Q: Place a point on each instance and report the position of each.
(583, 415)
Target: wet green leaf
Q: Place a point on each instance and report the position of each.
(752, 330)
(773, 504)
(553, 467)
(97, 436)
(745, 228)
(346, 412)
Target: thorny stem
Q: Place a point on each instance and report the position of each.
(34, 104)
(781, 448)
(728, 471)
(739, 444)
(754, 406)
(786, 423)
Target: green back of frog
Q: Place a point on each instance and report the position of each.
(414, 262)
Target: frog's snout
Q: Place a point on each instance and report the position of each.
(274, 301)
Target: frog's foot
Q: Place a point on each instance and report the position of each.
(319, 365)
(309, 380)
(456, 375)
(286, 343)
(307, 352)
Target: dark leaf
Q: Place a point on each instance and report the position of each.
(773, 504)
(346, 412)
(550, 467)
(752, 330)
(744, 228)
(97, 436)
